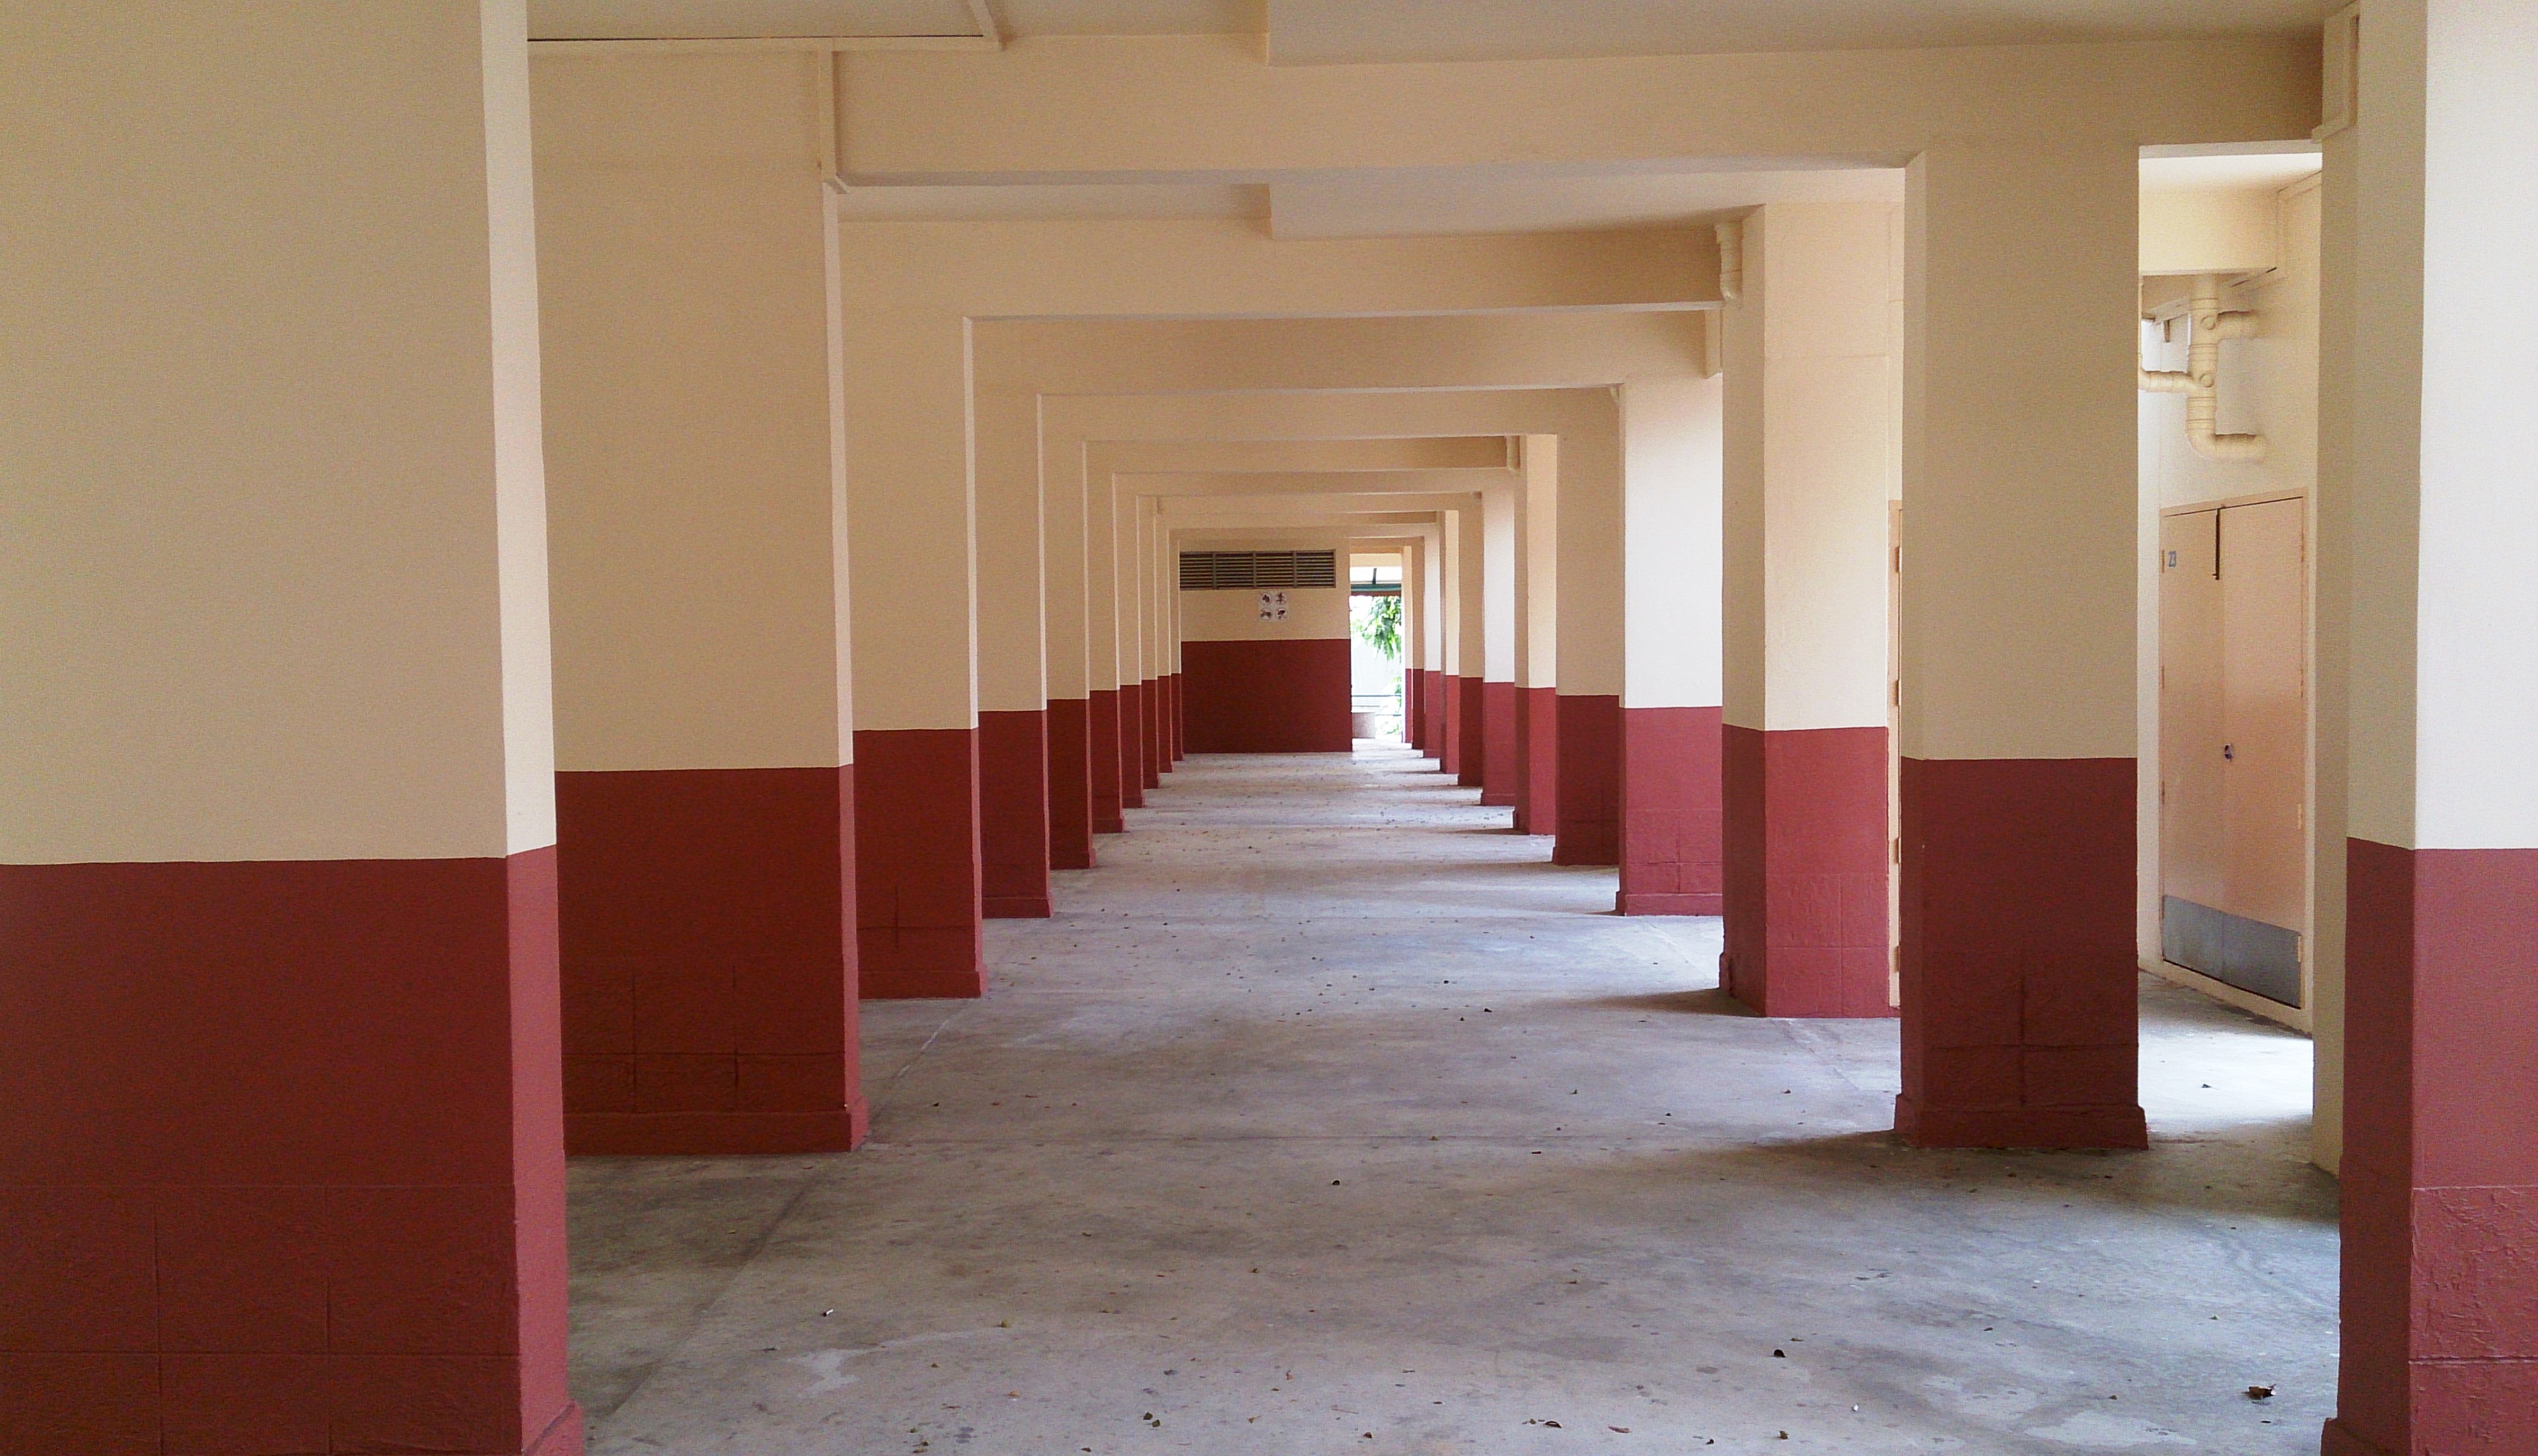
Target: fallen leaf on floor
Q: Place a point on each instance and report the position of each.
(2260, 1392)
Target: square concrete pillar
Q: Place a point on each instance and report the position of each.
(1812, 462)
(2428, 509)
(2020, 1020)
(704, 792)
(283, 1165)
(1670, 846)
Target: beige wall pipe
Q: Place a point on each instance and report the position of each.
(2200, 380)
(273, 583)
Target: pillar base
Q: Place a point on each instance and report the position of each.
(1645, 903)
(717, 1134)
(1588, 801)
(2338, 1439)
(1673, 859)
(1103, 753)
(917, 875)
(1070, 784)
(1013, 813)
(2112, 1126)
(1499, 771)
(1806, 870)
(2021, 1015)
(285, 1168)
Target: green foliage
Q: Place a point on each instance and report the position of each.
(1379, 624)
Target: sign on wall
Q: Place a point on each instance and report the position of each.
(1273, 606)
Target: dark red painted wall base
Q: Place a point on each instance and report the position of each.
(1433, 693)
(1673, 858)
(1013, 815)
(1806, 870)
(2020, 1019)
(1180, 719)
(1590, 780)
(281, 1165)
(1070, 784)
(1106, 803)
(2440, 1305)
(917, 875)
(1537, 753)
(708, 975)
(1132, 746)
(1471, 734)
(1276, 697)
(1497, 757)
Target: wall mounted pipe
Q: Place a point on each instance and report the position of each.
(1731, 259)
(2200, 382)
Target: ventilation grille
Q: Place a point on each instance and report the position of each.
(1236, 570)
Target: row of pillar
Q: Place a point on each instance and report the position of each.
(303, 1007)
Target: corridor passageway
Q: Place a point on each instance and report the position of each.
(1328, 1114)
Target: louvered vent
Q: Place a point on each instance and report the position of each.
(1237, 571)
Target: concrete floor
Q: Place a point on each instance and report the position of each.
(1328, 1116)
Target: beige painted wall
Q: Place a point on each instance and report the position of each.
(914, 298)
(272, 520)
(1537, 577)
(1812, 451)
(2019, 583)
(684, 284)
(1357, 356)
(1585, 417)
(1208, 103)
(1672, 433)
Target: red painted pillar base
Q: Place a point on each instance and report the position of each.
(1437, 690)
(1070, 784)
(2021, 1022)
(1414, 709)
(1499, 761)
(1537, 731)
(917, 875)
(1013, 815)
(1471, 734)
(708, 978)
(1158, 755)
(1673, 855)
(1806, 870)
(1180, 717)
(282, 1167)
(1104, 743)
(1590, 780)
(2440, 1153)
(1132, 746)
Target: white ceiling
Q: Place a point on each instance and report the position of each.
(2268, 170)
(1304, 32)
